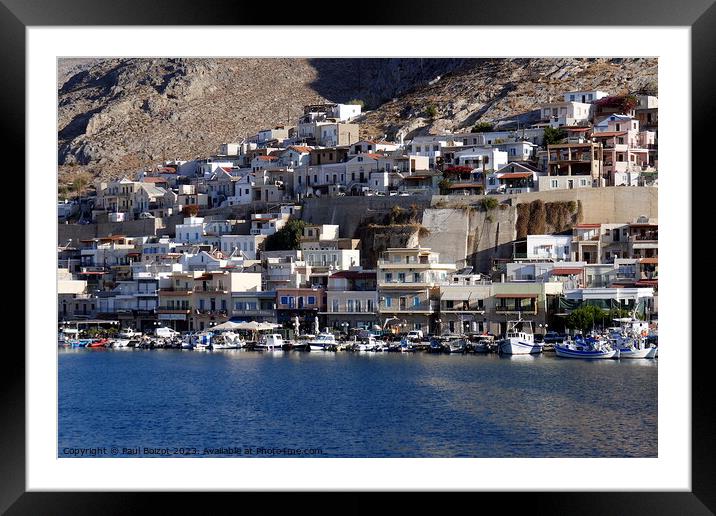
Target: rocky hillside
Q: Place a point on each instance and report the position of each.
(494, 90)
(118, 115)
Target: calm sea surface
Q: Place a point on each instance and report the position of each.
(151, 403)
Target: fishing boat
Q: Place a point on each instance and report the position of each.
(437, 345)
(631, 339)
(455, 344)
(519, 339)
(323, 342)
(589, 348)
(482, 344)
(407, 346)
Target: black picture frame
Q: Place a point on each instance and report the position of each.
(16, 15)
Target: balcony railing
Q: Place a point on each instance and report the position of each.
(211, 288)
(172, 310)
(176, 291)
(199, 311)
(516, 308)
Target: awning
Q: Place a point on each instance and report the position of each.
(566, 271)
(649, 261)
(515, 175)
(516, 296)
(454, 295)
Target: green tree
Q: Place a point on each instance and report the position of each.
(483, 127)
(431, 111)
(444, 186)
(287, 238)
(586, 317)
(554, 135)
(357, 102)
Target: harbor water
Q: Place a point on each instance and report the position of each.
(150, 403)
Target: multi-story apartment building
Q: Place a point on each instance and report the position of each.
(573, 165)
(351, 300)
(409, 282)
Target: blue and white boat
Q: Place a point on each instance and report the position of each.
(519, 339)
(590, 348)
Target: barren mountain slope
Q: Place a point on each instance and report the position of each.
(118, 115)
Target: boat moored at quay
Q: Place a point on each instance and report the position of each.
(590, 348)
(519, 339)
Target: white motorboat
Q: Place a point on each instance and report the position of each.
(227, 340)
(519, 339)
(370, 343)
(271, 342)
(323, 342)
(119, 343)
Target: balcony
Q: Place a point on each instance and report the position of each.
(172, 310)
(210, 312)
(175, 291)
(405, 284)
(253, 313)
(531, 309)
(406, 308)
(211, 288)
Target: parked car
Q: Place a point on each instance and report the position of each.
(552, 336)
(146, 215)
(415, 335)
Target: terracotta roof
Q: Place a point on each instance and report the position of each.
(608, 134)
(576, 129)
(267, 158)
(646, 283)
(300, 148)
(354, 275)
(154, 180)
(226, 169)
(516, 296)
(566, 271)
(652, 261)
(587, 226)
(515, 175)
(374, 156)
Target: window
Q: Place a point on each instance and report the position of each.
(311, 300)
(350, 305)
(554, 183)
(388, 302)
(284, 300)
(416, 301)
(335, 306)
(388, 277)
(401, 277)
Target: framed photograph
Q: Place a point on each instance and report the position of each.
(415, 256)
